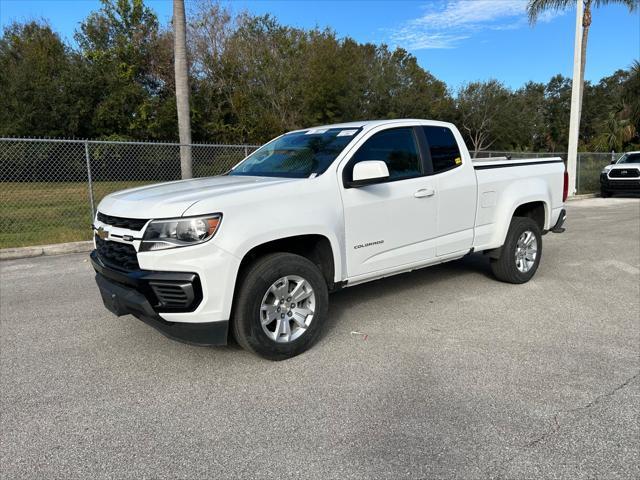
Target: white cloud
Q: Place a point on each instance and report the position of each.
(548, 15)
(460, 13)
(445, 23)
(422, 40)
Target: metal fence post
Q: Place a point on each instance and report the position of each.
(578, 172)
(246, 151)
(613, 156)
(90, 182)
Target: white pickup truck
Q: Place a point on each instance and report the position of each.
(255, 252)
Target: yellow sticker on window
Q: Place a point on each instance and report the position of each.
(458, 160)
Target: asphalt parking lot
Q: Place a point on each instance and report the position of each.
(459, 376)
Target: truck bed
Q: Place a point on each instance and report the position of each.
(503, 184)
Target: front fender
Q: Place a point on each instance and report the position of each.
(261, 237)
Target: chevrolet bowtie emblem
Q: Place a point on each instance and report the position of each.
(102, 233)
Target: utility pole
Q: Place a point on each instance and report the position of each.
(182, 86)
(576, 87)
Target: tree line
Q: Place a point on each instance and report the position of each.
(252, 78)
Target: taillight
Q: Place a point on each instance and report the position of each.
(565, 187)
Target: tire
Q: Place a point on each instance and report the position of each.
(508, 268)
(257, 303)
(605, 193)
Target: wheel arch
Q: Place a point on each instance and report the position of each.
(529, 197)
(315, 247)
(537, 210)
(534, 207)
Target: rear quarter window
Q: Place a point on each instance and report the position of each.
(443, 148)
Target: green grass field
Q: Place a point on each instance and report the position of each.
(39, 213)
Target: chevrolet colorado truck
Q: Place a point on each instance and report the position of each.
(255, 252)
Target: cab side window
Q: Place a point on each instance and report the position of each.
(445, 153)
(397, 148)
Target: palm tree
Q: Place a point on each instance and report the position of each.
(616, 132)
(537, 7)
(631, 94)
(182, 86)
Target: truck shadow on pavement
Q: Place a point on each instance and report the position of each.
(422, 279)
(340, 302)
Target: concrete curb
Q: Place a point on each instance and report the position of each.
(583, 196)
(40, 250)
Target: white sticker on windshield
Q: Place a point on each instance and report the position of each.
(347, 133)
(316, 131)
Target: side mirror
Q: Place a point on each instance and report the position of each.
(613, 162)
(369, 172)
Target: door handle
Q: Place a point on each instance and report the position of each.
(424, 192)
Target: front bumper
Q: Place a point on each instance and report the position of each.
(630, 185)
(132, 293)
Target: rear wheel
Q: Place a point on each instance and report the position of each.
(521, 252)
(281, 307)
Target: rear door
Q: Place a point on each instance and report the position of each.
(391, 223)
(456, 189)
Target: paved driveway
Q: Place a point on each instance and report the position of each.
(459, 377)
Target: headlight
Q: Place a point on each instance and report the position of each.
(179, 232)
(607, 168)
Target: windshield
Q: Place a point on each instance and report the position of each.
(297, 154)
(630, 158)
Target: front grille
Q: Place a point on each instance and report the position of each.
(115, 254)
(624, 173)
(129, 223)
(173, 295)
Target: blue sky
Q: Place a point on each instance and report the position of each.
(457, 40)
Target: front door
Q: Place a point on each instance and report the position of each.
(392, 223)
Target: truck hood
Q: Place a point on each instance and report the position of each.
(172, 199)
(620, 166)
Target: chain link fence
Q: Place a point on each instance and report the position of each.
(49, 188)
(589, 166)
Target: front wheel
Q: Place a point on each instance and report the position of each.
(521, 252)
(281, 306)
(605, 193)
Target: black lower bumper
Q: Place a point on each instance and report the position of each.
(122, 298)
(622, 186)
